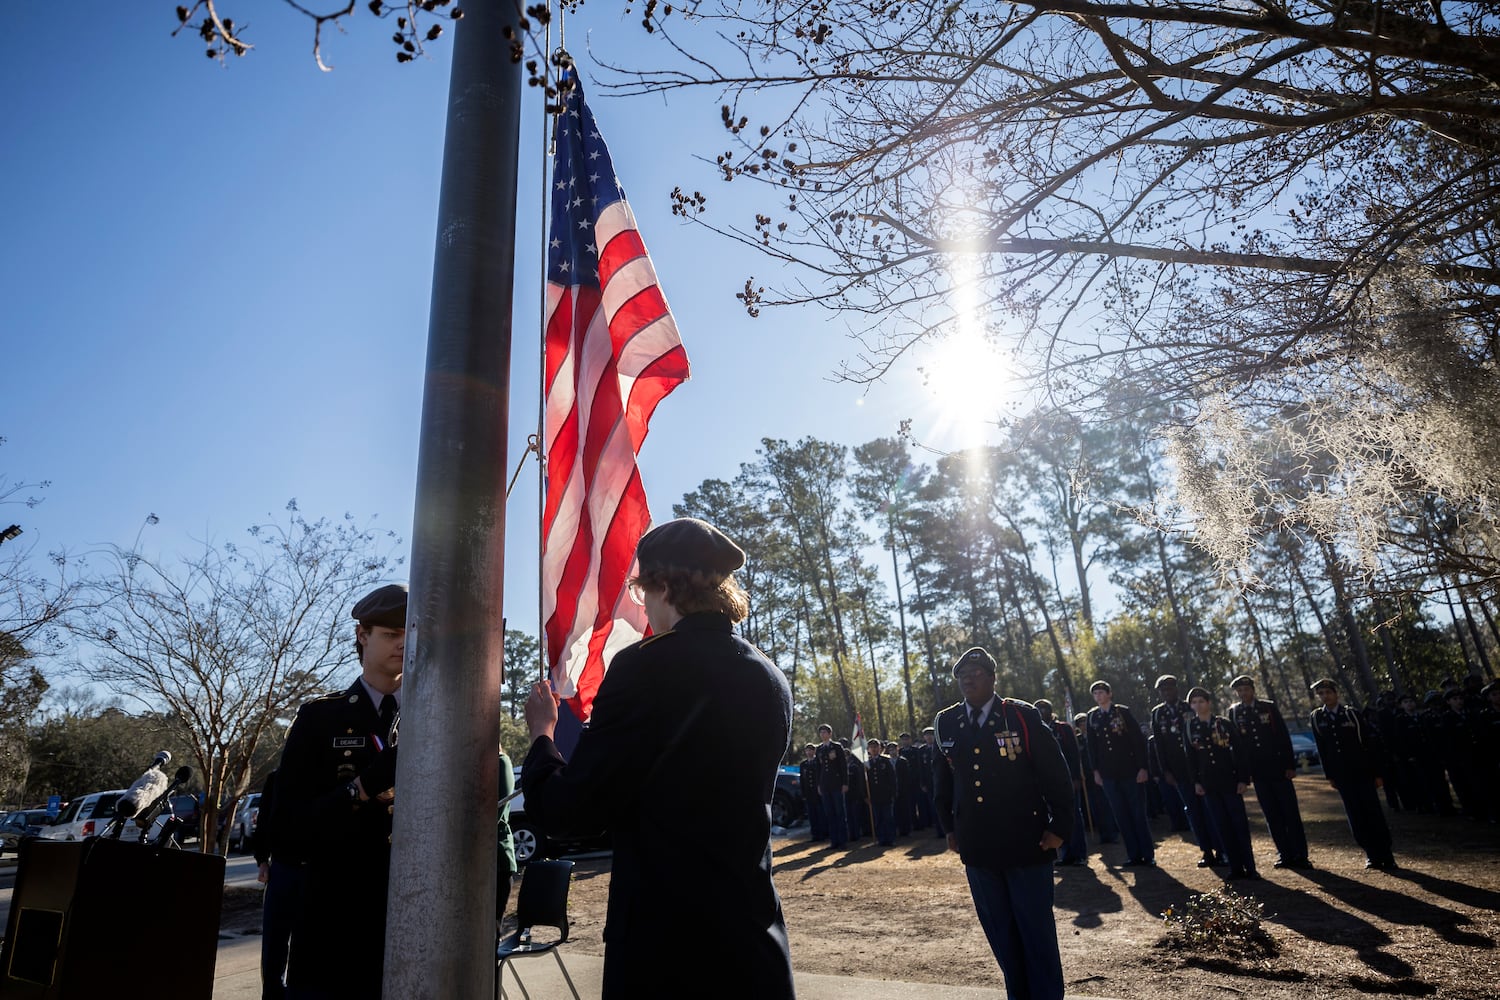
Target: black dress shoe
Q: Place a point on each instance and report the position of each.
(1206, 861)
(1283, 864)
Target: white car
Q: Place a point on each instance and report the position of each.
(88, 816)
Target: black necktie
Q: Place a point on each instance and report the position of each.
(974, 715)
(387, 715)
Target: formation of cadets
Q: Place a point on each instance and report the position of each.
(1438, 756)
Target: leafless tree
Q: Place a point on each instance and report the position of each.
(232, 639)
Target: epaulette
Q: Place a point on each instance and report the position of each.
(652, 638)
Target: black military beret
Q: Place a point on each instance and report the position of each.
(1491, 686)
(1452, 693)
(385, 607)
(1165, 679)
(1324, 683)
(1243, 680)
(975, 656)
(688, 543)
(1431, 698)
(1100, 686)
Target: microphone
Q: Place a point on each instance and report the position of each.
(145, 789)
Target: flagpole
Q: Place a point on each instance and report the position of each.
(440, 935)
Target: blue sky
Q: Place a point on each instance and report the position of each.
(216, 283)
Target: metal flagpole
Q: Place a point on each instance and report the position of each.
(440, 936)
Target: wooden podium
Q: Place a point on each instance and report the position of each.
(109, 915)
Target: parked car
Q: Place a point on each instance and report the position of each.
(88, 816)
(787, 806)
(1306, 750)
(532, 843)
(23, 824)
(243, 825)
(185, 809)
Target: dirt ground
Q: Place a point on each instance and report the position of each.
(1429, 929)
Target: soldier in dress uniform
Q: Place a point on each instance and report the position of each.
(1117, 749)
(926, 760)
(1489, 747)
(857, 794)
(1460, 751)
(1351, 760)
(1411, 750)
(905, 787)
(332, 809)
(833, 784)
(1076, 850)
(1437, 777)
(1002, 787)
(807, 780)
(663, 715)
(1101, 820)
(921, 782)
(1218, 767)
(882, 778)
(1168, 720)
(1273, 765)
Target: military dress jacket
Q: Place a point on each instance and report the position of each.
(807, 777)
(883, 786)
(1116, 746)
(1001, 785)
(833, 768)
(1264, 733)
(663, 716)
(1167, 723)
(338, 941)
(1067, 740)
(1216, 757)
(1348, 746)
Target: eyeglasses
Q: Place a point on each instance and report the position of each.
(637, 593)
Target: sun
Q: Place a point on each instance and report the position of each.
(969, 383)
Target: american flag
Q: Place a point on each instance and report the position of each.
(857, 740)
(612, 354)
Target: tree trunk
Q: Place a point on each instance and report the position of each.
(1346, 615)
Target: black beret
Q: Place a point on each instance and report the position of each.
(1165, 679)
(1243, 680)
(688, 543)
(1431, 698)
(1491, 686)
(385, 607)
(1325, 683)
(975, 656)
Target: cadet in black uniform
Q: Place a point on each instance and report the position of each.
(921, 782)
(856, 794)
(1219, 770)
(1489, 747)
(665, 710)
(1460, 752)
(882, 777)
(1351, 760)
(1076, 850)
(926, 760)
(1273, 765)
(807, 780)
(833, 784)
(906, 787)
(1168, 720)
(332, 809)
(1117, 749)
(1002, 786)
(1411, 749)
